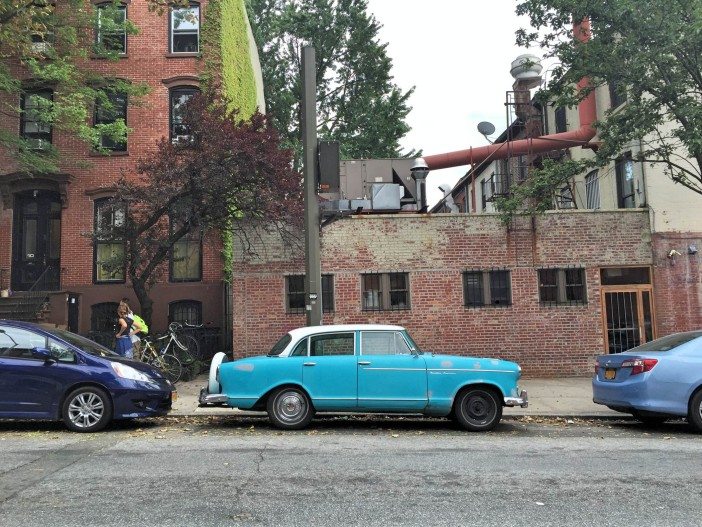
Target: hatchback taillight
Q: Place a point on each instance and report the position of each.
(639, 365)
(597, 367)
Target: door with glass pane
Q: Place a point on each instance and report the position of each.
(628, 315)
(36, 240)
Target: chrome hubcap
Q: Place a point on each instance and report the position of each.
(85, 410)
(291, 407)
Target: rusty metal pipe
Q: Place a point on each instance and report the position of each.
(587, 112)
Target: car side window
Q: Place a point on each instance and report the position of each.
(61, 352)
(333, 344)
(300, 350)
(383, 343)
(19, 343)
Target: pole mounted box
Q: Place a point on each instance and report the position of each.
(328, 166)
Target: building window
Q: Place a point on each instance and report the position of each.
(186, 258)
(34, 126)
(179, 97)
(483, 193)
(624, 169)
(625, 275)
(109, 251)
(295, 293)
(103, 317)
(111, 34)
(564, 199)
(561, 124)
(487, 288)
(185, 29)
(617, 95)
(385, 291)
(185, 312)
(109, 110)
(592, 190)
(562, 286)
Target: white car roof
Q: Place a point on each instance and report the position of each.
(315, 330)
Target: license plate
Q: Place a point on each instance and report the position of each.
(174, 396)
(610, 373)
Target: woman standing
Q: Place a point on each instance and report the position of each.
(123, 345)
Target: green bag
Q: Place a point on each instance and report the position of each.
(142, 324)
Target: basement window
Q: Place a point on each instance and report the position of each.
(385, 291)
(562, 286)
(490, 288)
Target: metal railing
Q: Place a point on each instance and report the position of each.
(34, 299)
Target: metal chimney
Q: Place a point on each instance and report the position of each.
(420, 171)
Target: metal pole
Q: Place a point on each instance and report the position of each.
(313, 270)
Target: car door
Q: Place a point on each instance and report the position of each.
(29, 387)
(329, 372)
(390, 376)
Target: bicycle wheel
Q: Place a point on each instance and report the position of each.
(193, 346)
(171, 367)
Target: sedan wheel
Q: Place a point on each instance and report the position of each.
(290, 408)
(478, 409)
(694, 415)
(87, 409)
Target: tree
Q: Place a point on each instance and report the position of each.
(358, 104)
(647, 52)
(229, 175)
(48, 44)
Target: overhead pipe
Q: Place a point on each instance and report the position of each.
(587, 111)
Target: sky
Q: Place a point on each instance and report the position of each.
(457, 53)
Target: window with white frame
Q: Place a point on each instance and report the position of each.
(592, 190)
(185, 29)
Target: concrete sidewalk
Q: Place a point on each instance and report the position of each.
(564, 397)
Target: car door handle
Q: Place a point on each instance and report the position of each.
(363, 363)
(309, 364)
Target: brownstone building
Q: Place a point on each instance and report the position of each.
(44, 218)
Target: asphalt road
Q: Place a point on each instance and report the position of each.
(225, 471)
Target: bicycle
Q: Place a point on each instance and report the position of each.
(192, 343)
(166, 362)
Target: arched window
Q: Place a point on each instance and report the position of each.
(185, 311)
(103, 317)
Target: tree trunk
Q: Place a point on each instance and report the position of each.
(145, 301)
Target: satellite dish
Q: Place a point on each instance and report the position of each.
(486, 128)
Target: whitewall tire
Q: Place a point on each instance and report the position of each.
(213, 385)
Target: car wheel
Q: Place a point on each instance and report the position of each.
(213, 385)
(478, 409)
(290, 409)
(87, 409)
(694, 415)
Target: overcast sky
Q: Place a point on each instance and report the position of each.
(457, 53)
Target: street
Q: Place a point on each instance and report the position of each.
(351, 471)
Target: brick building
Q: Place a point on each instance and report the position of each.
(44, 218)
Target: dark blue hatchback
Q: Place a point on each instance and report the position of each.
(58, 375)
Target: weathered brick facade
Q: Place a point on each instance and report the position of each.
(147, 61)
(435, 250)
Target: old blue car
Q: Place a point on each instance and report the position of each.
(363, 368)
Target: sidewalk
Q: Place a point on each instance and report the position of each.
(565, 397)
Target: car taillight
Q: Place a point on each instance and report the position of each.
(639, 365)
(597, 367)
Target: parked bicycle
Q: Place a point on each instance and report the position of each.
(168, 352)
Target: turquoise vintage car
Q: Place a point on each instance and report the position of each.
(363, 368)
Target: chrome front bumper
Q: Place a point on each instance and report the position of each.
(522, 400)
(211, 398)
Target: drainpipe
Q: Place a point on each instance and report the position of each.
(587, 111)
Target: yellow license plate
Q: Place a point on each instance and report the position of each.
(610, 373)
(174, 396)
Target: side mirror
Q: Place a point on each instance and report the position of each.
(43, 354)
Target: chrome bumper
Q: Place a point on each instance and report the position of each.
(522, 400)
(211, 398)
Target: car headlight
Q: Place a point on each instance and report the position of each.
(127, 372)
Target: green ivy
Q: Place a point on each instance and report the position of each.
(225, 40)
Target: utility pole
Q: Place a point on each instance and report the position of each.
(313, 266)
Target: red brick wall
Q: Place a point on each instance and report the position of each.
(147, 61)
(677, 282)
(434, 250)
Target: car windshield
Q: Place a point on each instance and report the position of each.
(279, 346)
(667, 343)
(412, 343)
(83, 344)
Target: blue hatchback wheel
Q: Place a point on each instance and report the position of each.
(87, 409)
(694, 415)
